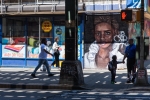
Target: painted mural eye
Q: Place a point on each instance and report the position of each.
(107, 32)
(98, 33)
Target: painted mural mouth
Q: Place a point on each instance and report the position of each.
(102, 44)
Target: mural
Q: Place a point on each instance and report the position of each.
(147, 27)
(134, 32)
(105, 36)
(133, 3)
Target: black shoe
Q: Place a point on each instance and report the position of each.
(33, 75)
(115, 82)
(133, 80)
(128, 81)
(51, 75)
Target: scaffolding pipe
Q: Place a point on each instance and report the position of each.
(1, 6)
(39, 32)
(18, 7)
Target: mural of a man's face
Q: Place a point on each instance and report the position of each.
(104, 34)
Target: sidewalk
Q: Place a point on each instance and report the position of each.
(96, 80)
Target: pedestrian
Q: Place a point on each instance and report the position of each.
(43, 68)
(113, 69)
(131, 59)
(43, 58)
(56, 52)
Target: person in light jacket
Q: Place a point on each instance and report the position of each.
(56, 52)
(43, 58)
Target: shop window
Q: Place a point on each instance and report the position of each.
(38, 28)
(13, 38)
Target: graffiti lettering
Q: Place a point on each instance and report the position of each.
(70, 70)
(120, 37)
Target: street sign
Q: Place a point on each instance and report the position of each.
(126, 15)
(141, 74)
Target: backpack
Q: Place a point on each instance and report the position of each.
(110, 65)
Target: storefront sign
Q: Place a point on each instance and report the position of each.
(13, 51)
(46, 26)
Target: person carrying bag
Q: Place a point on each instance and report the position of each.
(56, 52)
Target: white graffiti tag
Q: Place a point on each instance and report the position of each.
(120, 37)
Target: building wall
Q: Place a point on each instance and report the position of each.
(21, 38)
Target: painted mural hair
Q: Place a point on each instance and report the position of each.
(106, 19)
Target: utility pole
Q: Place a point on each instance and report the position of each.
(71, 69)
(141, 77)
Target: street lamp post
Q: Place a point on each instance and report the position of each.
(141, 79)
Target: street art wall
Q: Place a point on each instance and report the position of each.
(105, 36)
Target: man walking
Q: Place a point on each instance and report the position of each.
(131, 59)
(43, 58)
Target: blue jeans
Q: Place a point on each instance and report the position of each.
(44, 62)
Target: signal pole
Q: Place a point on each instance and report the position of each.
(141, 77)
(71, 69)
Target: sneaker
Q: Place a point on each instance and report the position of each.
(51, 75)
(115, 81)
(33, 75)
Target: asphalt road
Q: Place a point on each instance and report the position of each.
(21, 94)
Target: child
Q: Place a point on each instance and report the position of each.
(114, 63)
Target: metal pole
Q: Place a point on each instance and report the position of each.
(141, 79)
(39, 31)
(1, 6)
(71, 62)
(141, 38)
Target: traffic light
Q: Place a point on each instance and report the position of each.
(126, 15)
(138, 15)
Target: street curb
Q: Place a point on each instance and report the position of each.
(40, 86)
(137, 88)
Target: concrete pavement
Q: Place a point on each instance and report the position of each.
(95, 80)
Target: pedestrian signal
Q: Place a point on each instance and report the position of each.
(126, 15)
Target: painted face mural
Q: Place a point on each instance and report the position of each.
(105, 36)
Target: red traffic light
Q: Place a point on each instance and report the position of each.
(126, 15)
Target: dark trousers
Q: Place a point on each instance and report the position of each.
(113, 75)
(131, 67)
(56, 61)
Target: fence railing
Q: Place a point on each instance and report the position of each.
(36, 5)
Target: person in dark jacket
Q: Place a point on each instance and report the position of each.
(131, 60)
